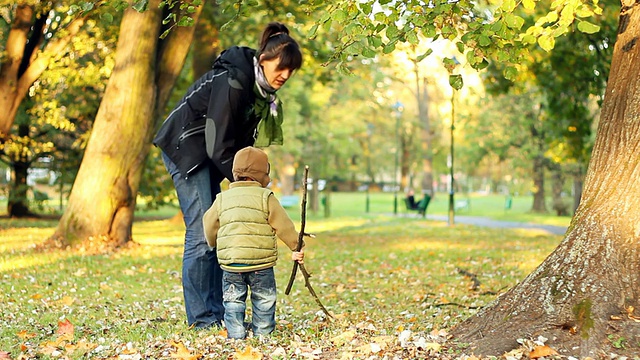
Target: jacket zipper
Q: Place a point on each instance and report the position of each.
(191, 132)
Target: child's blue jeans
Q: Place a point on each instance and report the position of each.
(263, 299)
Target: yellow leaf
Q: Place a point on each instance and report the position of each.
(540, 351)
(25, 335)
(529, 4)
(248, 354)
(182, 352)
(67, 300)
(546, 42)
(104, 286)
(343, 338)
(36, 296)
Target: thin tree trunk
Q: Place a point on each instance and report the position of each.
(539, 205)
(206, 43)
(560, 207)
(586, 288)
(578, 177)
(17, 205)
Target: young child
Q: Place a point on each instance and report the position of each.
(243, 224)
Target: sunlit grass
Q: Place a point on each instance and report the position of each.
(377, 274)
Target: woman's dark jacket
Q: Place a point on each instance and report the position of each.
(215, 118)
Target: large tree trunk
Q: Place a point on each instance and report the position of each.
(584, 290)
(120, 140)
(103, 198)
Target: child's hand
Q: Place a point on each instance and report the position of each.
(298, 256)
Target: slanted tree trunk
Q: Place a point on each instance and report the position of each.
(25, 60)
(583, 291)
(102, 201)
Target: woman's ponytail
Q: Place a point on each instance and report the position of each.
(276, 43)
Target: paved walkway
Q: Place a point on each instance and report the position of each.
(482, 221)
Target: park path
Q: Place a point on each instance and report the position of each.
(486, 222)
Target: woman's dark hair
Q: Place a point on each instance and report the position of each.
(276, 43)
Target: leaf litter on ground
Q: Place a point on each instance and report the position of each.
(393, 286)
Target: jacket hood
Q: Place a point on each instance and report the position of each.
(237, 58)
(252, 163)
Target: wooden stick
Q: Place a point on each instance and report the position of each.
(294, 270)
(303, 220)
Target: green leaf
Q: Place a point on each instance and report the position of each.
(388, 49)
(412, 38)
(484, 40)
(514, 21)
(456, 82)
(339, 15)
(368, 53)
(510, 73)
(392, 32)
(313, 32)
(366, 7)
(460, 46)
(508, 6)
(87, 6)
(140, 5)
(107, 17)
(427, 53)
(587, 27)
(374, 41)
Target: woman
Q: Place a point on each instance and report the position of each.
(232, 106)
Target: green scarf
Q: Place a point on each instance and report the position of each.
(269, 109)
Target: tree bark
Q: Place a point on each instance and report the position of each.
(584, 290)
(143, 76)
(539, 205)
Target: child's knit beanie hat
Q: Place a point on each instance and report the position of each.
(252, 163)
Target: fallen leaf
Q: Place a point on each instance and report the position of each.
(630, 314)
(4, 355)
(248, 354)
(343, 338)
(65, 330)
(25, 335)
(182, 352)
(67, 300)
(540, 351)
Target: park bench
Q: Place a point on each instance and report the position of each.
(462, 204)
(421, 206)
(289, 201)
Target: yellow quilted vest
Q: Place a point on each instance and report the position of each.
(246, 241)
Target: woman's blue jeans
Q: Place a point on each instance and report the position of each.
(263, 302)
(201, 273)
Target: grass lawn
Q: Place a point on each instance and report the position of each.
(394, 284)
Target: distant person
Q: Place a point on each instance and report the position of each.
(411, 200)
(230, 107)
(243, 224)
